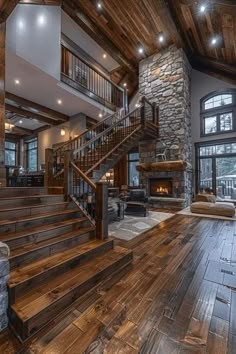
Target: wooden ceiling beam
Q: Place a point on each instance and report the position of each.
(47, 112)
(6, 8)
(24, 113)
(75, 12)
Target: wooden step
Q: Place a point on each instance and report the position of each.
(28, 277)
(6, 192)
(42, 233)
(19, 224)
(32, 252)
(8, 202)
(29, 210)
(32, 311)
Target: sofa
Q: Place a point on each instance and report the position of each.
(206, 204)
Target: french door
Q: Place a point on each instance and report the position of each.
(216, 169)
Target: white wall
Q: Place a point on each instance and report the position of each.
(75, 126)
(33, 33)
(202, 85)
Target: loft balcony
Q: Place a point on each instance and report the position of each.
(85, 78)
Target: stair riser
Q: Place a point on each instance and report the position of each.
(50, 250)
(37, 322)
(7, 192)
(12, 214)
(45, 276)
(19, 226)
(45, 235)
(14, 203)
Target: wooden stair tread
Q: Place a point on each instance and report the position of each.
(32, 196)
(14, 235)
(48, 242)
(74, 278)
(25, 273)
(31, 206)
(36, 217)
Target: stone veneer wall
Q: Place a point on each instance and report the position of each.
(164, 78)
(4, 275)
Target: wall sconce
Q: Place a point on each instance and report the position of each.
(63, 132)
(9, 126)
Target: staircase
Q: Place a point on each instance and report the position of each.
(55, 258)
(59, 243)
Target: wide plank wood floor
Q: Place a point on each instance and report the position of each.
(179, 297)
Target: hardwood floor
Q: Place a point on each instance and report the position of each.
(179, 297)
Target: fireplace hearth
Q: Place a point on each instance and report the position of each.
(161, 187)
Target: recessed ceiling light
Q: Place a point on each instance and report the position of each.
(124, 84)
(104, 56)
(214, 41)
(17, 82)
(20, 121)
(100, 115)
(21, 24)
(59, 101)
(202, 8)
(140, 50)
(41, 20)
(99, 5)
(161, 38)
(137, 105)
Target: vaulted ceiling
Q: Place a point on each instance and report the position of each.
(122, 26)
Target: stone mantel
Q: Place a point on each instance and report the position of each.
(164, 166)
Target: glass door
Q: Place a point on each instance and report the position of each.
(206, 176)
(226, 177)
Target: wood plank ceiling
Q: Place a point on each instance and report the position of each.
(121, 26)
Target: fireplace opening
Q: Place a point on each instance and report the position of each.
(161, 187)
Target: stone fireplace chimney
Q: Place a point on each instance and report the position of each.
(164, 78)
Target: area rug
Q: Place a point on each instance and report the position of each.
(133, 226)
(188, 212)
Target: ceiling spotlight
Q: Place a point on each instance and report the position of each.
(124, 84)
(17, 82)
(214, 41)
(41, 20)
(100, 115)
(140, 50)
(161, 38)
(21, 24)
(99, 5)
(20, 121)
(104, 56)
(59, 101)
(202, 8)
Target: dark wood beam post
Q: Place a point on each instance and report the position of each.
(48, 167)
(2, 105)
(101, 210)
(67, 174)
(143, 111)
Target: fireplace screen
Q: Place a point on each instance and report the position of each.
(161, 187)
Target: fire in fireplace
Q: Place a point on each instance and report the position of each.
(161, 187)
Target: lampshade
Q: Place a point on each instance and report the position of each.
(8, 126)
(63, 132)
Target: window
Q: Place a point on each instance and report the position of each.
(133, 175)
(216, 168)
(10, 153)
(218, 113)
(32, 155)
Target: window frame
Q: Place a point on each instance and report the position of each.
(130, 160)
(27, 153)
(217, 111)
(8, 149)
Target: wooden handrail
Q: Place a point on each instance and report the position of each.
(83, 175)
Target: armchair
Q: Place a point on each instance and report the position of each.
(137, 202)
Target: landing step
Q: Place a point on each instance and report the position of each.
(25, 278)
(35, 251)
(34, 234)
(8, 202)
(37, 308)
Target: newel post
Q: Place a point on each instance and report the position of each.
(142, 112)
(101, 210)
(67, 174)
(48, 167)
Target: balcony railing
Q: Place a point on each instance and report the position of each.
(83, 77)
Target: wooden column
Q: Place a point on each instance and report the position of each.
(48, 167)
(101, 210)
(2, 105)
(67, 175)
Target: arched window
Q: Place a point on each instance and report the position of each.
(218, 113)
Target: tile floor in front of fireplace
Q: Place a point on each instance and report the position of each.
(132, 226)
